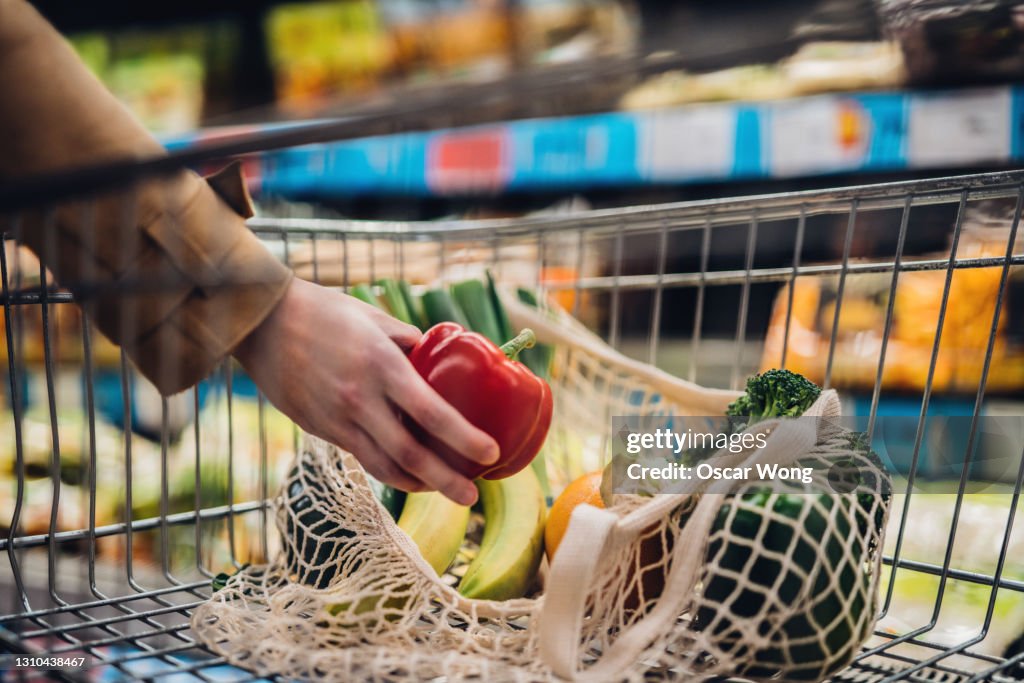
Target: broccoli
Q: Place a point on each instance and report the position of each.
(773, 393)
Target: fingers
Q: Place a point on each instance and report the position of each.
(402, 334)
(377, 463)
(405, 336)
(382, 424)
(412, 394)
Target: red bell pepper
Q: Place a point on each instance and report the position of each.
(495, 392)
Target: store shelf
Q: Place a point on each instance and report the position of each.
(801, 137)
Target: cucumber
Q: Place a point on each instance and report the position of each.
(413, 305)
(475, 302)
(394, 301)
(364, 293)
(440, 307)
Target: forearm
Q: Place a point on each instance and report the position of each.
(167, 267)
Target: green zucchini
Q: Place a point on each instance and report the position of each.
(413, 305)
(475, 302)
(440, 307)
(365, 294)
(394, 301)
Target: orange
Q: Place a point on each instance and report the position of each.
(586, 489)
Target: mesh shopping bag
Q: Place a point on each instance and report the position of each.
(732, 579)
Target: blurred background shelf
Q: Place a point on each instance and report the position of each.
(869, 132)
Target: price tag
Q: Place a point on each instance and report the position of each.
(821, 134)
(966, 127)
(475, 160)
(695, 142)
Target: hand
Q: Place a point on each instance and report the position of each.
(337, 367)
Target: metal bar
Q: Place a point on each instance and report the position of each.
(134, 638)
(262, 483)
(146, 524)
(169, 609)
(197, 493)
(16, 413)
(51, 403)
(843, 269)
(798, 246)
(698, 316)
(737, 277)
(690, 215)
(316, 260)
(616, 302)
(104, 602)
(926, 397)
(655, 329)
(890, 307)
(968, 456)
(165, 549)
(958, 574)
(741, 321)
(231, 462)
(580, 248)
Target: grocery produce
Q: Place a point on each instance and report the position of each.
(513, 541)
(493, 391)
(395, 301)
(413, 305)
(391, 498)
(436, 525)
(439, 307)
(476, 303)
(770, 520)
(773, 393)
(314, 562)
(364, 293)
(588, 490)
(539, 357)
(583, 491)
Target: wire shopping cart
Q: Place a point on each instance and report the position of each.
(121, 507)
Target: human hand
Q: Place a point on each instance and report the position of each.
(337, 367)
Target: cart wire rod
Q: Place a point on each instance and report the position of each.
(667, 280)
(971, 438)
(146, 524)
(926, 397)
(106, 602)
(780, 274)
(688, 215)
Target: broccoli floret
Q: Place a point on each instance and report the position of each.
(774, 393)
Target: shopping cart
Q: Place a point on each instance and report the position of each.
(141, 507)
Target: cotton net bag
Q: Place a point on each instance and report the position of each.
(727, 581)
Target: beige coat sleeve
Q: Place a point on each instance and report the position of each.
(166, 268)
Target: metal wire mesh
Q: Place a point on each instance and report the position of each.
(135, 519)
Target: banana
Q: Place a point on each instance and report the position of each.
(513, 542)
(436, 525)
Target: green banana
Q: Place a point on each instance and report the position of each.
(436, 525)
(513, 542)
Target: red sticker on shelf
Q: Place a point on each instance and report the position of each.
(469, 161)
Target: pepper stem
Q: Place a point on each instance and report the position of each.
(524, 340)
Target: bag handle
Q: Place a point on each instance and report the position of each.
(554, 326)
(572, 574)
